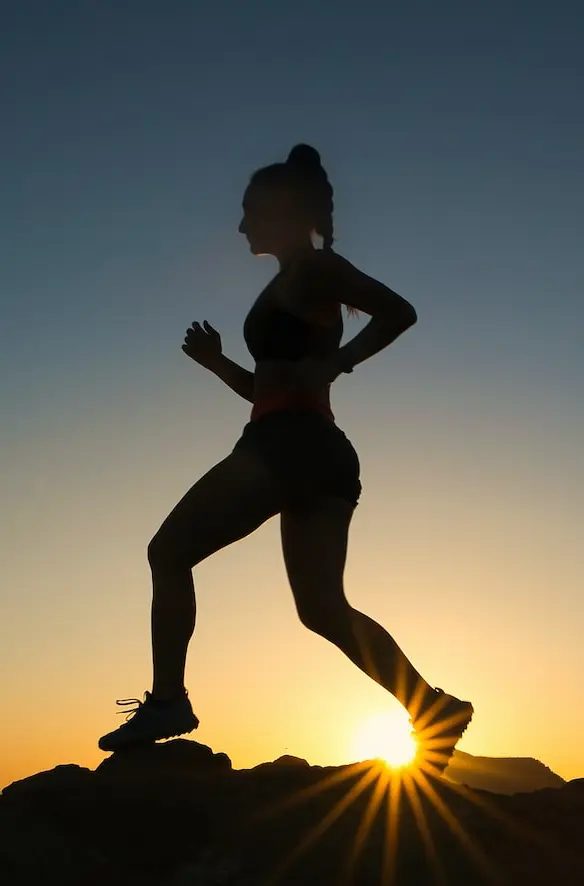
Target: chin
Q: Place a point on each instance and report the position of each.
(258, 250)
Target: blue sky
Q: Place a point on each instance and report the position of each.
(453, 135)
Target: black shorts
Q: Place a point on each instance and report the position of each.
(307, 453)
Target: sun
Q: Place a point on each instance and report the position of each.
(385, 736)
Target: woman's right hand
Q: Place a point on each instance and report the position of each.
(203, 344)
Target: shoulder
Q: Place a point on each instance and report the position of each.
(310, 288)
(329, 273)
(338, 279)
(317, 275)
(322, 262)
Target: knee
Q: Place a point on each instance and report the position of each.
(328, 620)
(163, 554)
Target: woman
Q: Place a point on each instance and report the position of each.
(292, 459)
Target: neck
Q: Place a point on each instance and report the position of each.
(288, 256)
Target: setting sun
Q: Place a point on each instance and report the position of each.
(386, 737)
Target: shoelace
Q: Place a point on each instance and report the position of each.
(126, 701)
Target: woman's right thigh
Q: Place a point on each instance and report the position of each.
(227, 503)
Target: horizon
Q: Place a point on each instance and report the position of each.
(408, 770)
(453, 143)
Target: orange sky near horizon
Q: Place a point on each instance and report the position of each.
(467, 597)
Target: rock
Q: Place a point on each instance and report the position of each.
(577, 784)
(283, 762)
(211, 869)
(65, 777)
(33, 852)
(177, 757)
(176, 814)
(288, 760)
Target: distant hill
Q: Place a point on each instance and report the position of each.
(502, 775)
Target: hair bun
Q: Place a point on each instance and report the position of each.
(304, 155)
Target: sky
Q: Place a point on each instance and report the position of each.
(453, 134)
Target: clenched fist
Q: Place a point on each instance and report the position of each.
(202, 344)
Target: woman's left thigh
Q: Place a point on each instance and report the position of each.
(226, 504)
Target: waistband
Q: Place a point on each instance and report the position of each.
(284, 402)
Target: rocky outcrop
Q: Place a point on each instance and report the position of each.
(176, 814)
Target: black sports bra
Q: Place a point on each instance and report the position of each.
(272, 333)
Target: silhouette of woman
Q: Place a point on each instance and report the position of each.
(292, 459)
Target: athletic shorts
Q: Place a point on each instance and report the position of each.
(307, 453)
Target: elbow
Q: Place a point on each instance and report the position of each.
(404, 313)
(397, 316)
(412, 316)
(406, 317)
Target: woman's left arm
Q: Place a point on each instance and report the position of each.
(390, 314)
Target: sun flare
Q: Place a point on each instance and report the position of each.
(386, 737)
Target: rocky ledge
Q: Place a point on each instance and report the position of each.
(176, 814)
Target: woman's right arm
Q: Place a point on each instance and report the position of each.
(235, 376)
(203, 345)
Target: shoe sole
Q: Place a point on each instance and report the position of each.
(136, 742)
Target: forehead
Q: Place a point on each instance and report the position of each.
(262, 194)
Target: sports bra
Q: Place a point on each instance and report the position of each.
(273, 333)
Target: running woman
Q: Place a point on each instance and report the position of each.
(292, 459)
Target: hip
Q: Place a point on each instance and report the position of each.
(306, 451)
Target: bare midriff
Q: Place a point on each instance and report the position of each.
(276, 389)
(288, 402)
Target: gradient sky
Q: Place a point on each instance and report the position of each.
(453, 134)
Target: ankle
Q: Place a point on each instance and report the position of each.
(164, 698)
(421, 700)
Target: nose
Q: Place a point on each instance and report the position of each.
(241, 227)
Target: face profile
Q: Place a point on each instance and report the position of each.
(274, 220)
